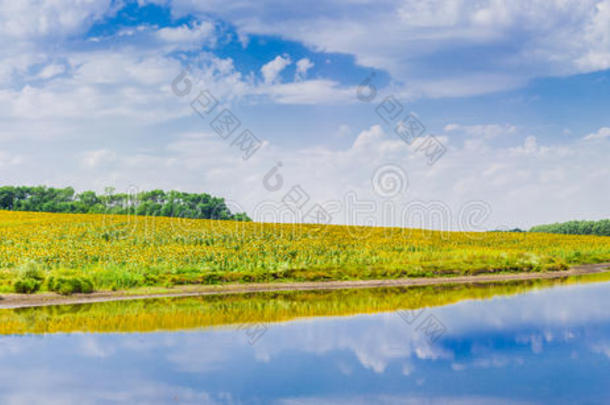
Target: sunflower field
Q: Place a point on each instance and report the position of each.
(81, 252)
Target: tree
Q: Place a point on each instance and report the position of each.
(154, 203)
(601, 228)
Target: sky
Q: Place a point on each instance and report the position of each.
(436, 113)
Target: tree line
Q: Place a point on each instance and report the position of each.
(154, 203)
(600, 228)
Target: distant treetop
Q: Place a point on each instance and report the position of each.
(600, 228)
(154, 203)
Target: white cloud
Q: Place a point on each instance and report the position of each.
(121, 92)
(51, 70)
(189, 36)
(272, 69)
(499, 176)
(462, 85)
(123, 83)
(243, 39)
(27, 19)
(487, 131)
(309, 92)
(597, 37)
(529, 147)
(107, 94)
(32, 33)
(602, 133)
(129, 87)
(303, 65)
(501, 45)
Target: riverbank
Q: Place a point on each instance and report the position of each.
(46, 299)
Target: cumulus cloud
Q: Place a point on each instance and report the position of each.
(272, 69)
(529, 38)
(469, 171)
(33, 32)
(30, 19)
(110, 95)
(303, 65)
(189, 36)
(103, 84)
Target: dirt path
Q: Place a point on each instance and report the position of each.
(36, 300)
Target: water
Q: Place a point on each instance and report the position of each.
(546, 346)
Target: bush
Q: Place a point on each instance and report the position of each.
(86, 286)
(27, 285)
(70, 285)
(117, 278)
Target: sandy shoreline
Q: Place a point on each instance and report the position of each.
(22, 301)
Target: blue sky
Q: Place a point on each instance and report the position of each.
(517, 92)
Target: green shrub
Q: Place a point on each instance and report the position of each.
(67, 285)
(211, 278)
(117, 278)
(86, 286)
(27, 285)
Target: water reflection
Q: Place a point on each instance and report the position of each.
(550, 345)
(254, 311)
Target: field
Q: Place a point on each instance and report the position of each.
(80, 252)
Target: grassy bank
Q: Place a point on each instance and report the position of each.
(78, 252)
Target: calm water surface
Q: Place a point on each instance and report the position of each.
(547, 346)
